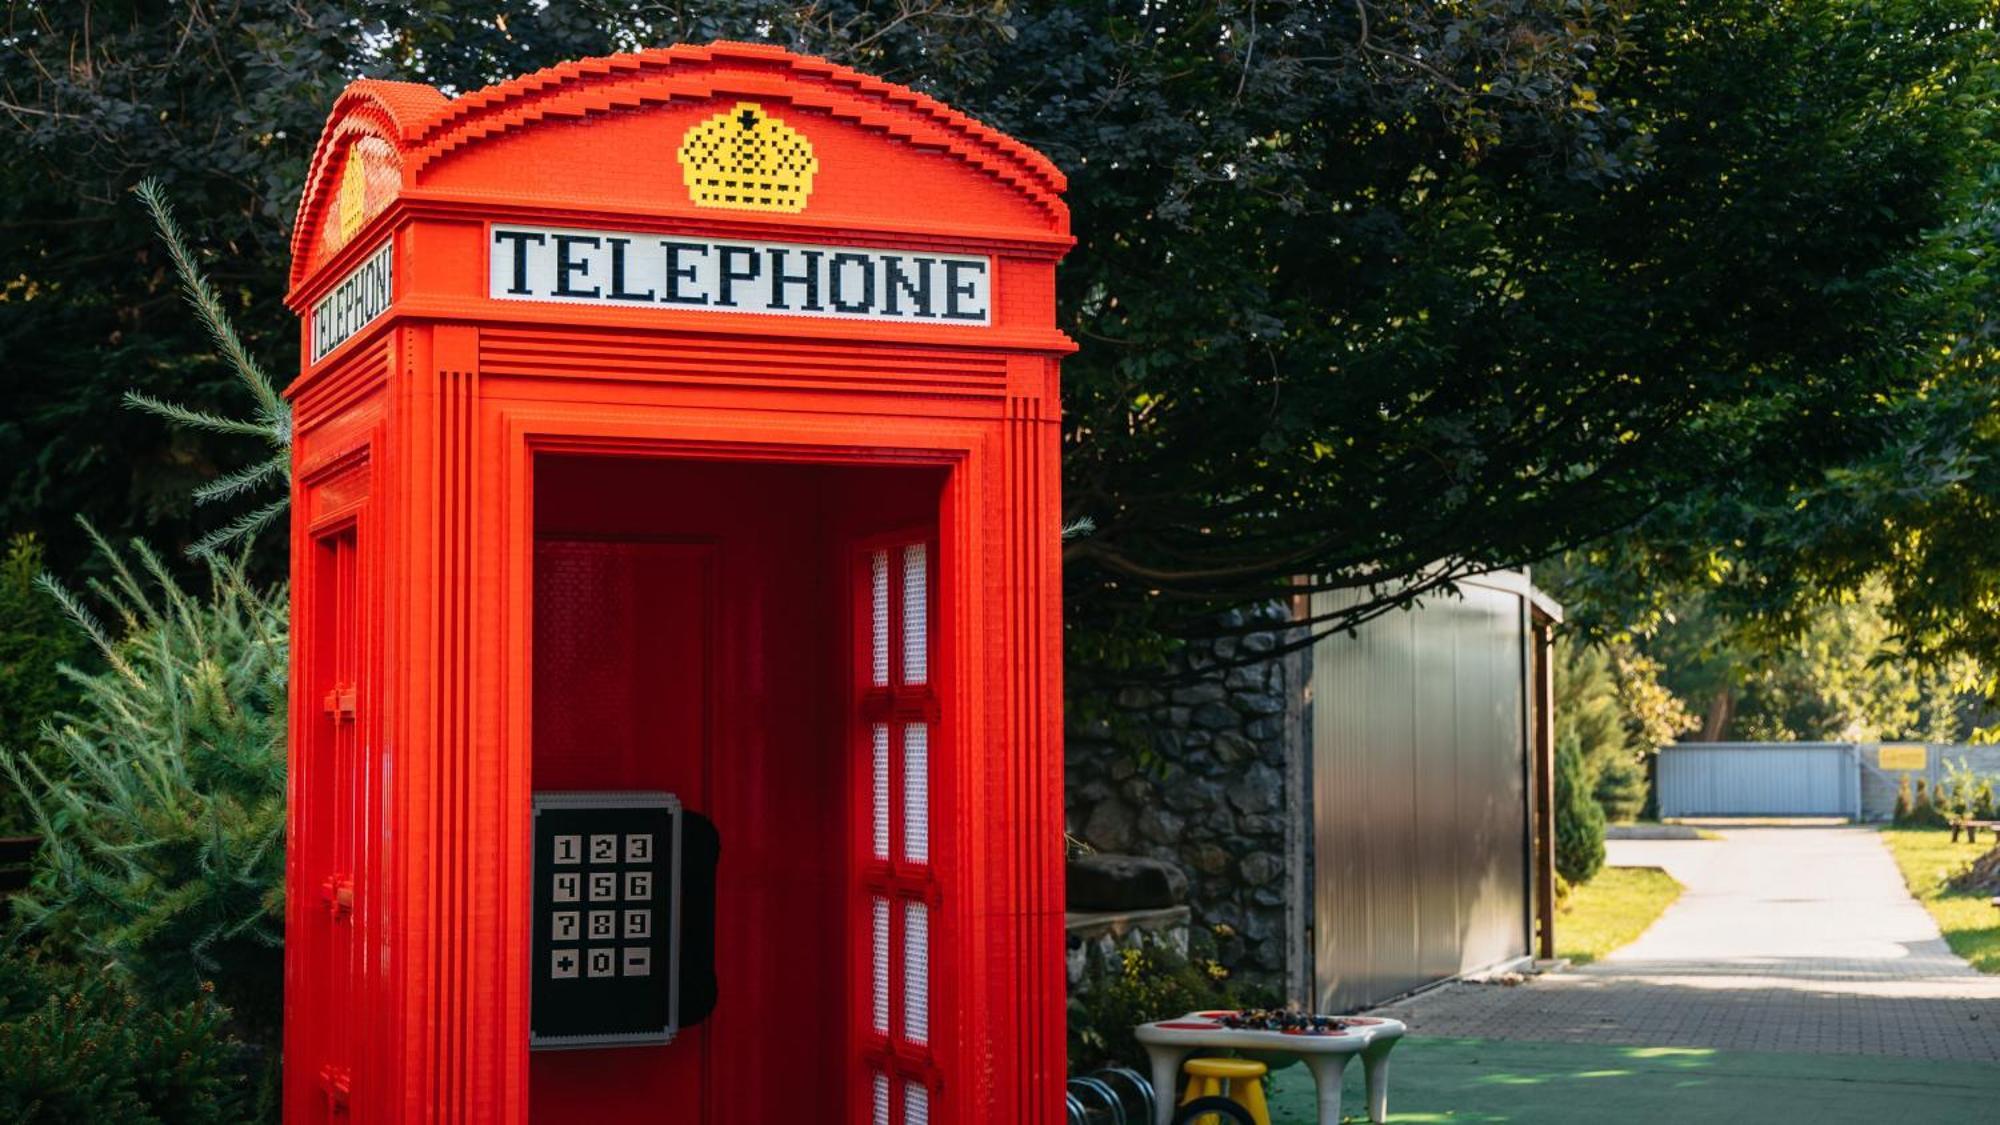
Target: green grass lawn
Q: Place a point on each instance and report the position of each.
(1612, 910)
(1927, 858)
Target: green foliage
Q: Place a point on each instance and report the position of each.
(1611, 706)
(1837, 672)
(78, 1045)
(1620, 789)
(1904, 801)
(1923, 811)
(1964, 793)
(34, 641)
(1361, 287)
(1579, 820)
(272, 420)
(161, 794)
(1151, 982)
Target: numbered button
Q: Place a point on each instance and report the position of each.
(563, 925)
(566, 886)
(639, 847)
(562, 964)
(603, 887)
(638, 886)
(569, 849)
(604, 849)
(638, 924)
(603, 925)
(638, 961)
(601, 962)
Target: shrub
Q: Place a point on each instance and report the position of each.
(1621, 789)
(1964, 792)
(78, 1045)
(34, 642)
(1904, 802)
(1154, 981)
(1579, 820)
(1924, 812)
(161, 795)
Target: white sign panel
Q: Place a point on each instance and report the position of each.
(360, 297)
(629, 269)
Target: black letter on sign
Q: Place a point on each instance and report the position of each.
(893, 278)
(677, 273)
(867, 300)
(565, 267)
(780, 279)
(618, 292)
(521, 239)
(954, 289)
(730, 275)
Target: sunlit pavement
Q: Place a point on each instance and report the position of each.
(1480, 1080)
(1795, 981)
(1795, 940)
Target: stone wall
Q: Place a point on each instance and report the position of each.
(1878, 786)
(1203, 773)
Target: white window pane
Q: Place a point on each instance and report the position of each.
(879, 776)
(878, 969)
(916, 614)
(916, 972)
(878, 615)
(881, 1098)
(916, 1104)
(916, 793)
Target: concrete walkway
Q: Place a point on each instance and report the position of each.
(1787, 939)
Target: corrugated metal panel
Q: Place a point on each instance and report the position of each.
(1759, 779)
(1420, 802)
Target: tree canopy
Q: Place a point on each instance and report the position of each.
(1379, 291)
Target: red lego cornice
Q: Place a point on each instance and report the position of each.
(425, 127)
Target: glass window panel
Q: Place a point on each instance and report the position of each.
(916, 972)
(879, 784)
(916, 614)
(881, 1098)
(916, 1104)
(916, 793)
(878, 969)
(878, 615)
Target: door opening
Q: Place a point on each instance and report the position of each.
(695, 632)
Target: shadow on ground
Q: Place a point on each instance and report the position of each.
(1562, 1083)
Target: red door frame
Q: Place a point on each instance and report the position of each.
(530, 433)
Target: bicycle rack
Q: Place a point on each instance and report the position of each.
(1093, 1099)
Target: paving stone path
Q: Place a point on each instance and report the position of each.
(1786, 939)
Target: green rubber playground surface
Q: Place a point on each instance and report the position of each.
(1560, 1083)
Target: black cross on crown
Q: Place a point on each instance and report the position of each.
(748, 118)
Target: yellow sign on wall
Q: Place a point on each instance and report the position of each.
(1901, 757)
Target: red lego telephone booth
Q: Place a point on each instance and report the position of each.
(676, 453)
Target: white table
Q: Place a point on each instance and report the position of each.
(1168, 1044)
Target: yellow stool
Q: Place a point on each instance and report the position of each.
(1239, 1080)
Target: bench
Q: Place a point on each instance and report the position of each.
(1971, 829)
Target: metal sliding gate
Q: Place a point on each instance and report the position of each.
(1760, 779)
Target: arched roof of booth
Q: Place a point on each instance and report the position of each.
(424, 126)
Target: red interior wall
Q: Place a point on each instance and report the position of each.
(690, 626)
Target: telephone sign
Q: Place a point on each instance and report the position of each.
(606, 948)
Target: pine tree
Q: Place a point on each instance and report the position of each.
(1579, 820)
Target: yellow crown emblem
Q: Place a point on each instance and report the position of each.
(747, 160)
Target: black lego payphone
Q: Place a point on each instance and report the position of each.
(623, 948)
